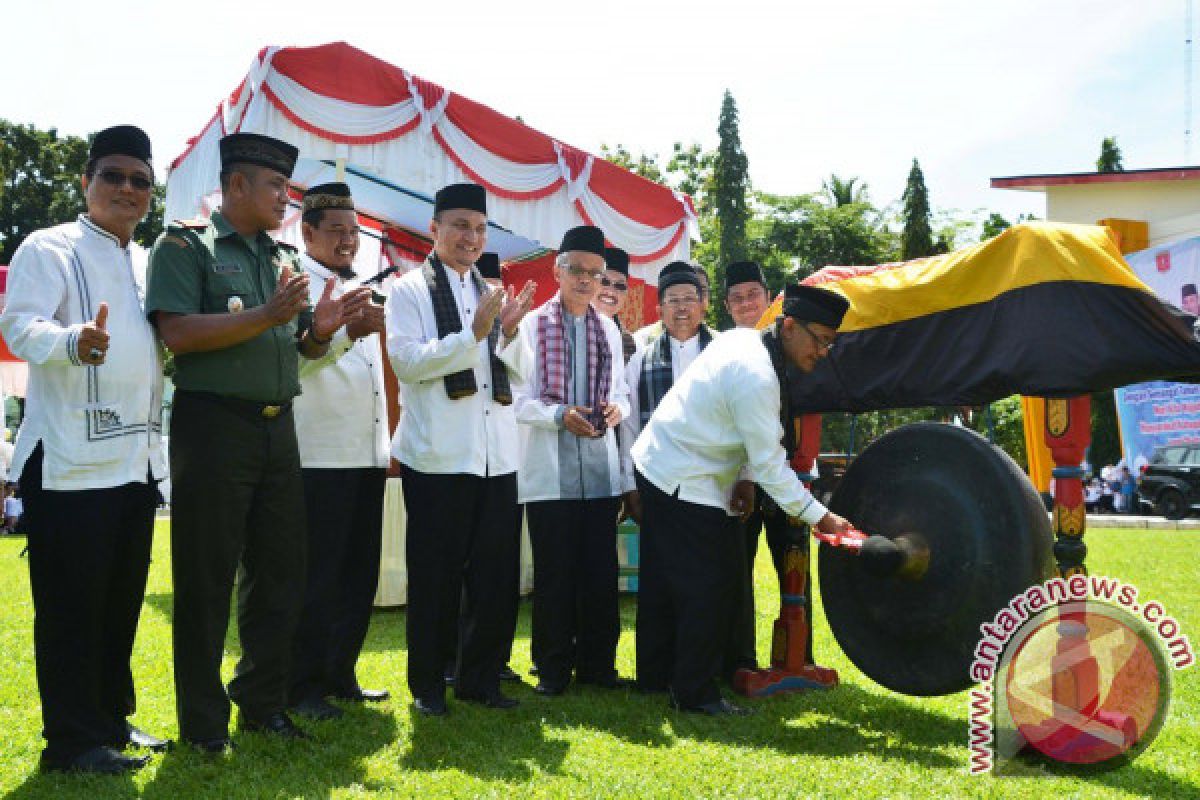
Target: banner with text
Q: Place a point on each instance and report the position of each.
(1160, 412)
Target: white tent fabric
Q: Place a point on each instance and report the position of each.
(418, 136)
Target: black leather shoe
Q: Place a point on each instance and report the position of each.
(718, 708)
(361, 695)
(212, 747)
(448, 677)
(549, 689)
(279, 724)
(97, 761)
(136, 737)
(610, 682)
(507, 674)
(316, 708)
(496, 699)
(430, 706)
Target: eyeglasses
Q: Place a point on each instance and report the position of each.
(822, 342)
(620, 286)
(682, 301)
(117, 179)
(581, 272)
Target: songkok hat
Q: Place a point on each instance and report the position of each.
(470, 196)
(743, 272)
(489, 266)
(587, 238)
(328, 196)
(121, 140)
(678, 272)
(616, 259)
(262, 151)
(810, 304)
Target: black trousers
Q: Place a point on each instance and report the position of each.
(742, 650)
(345, 517)
(237, 508)
(576, 619)
(451, 645)
(462, 547)
(691, 571)
(89, 552)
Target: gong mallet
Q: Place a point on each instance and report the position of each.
(906, 556)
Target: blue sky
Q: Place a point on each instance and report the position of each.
(974, 90)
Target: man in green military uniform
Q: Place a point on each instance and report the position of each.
(232, 305)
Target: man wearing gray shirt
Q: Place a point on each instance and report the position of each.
(570, 475)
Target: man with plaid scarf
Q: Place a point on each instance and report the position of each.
(653, 369)
(570, 476)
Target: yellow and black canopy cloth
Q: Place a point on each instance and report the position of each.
(1043, 309)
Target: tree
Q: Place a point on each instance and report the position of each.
(843, 192)
(39, 182)
(993, 226)
(1105, 448)
(806, 234)
(147, 231)
(1007, 427)
(917, 237)
(1110, 156)
(40, 186)
(690, 170)
(642, 164)
(730, 187)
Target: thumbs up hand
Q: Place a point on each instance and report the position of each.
(92, 344)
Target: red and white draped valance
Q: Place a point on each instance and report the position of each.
(337, 102)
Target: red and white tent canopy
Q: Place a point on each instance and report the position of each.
(344, 108)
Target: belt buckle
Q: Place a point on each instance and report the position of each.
(271, 412)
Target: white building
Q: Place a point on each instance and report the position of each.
(1147, 207)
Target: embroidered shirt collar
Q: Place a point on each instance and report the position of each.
(86, 223)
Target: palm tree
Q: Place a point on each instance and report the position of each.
(844, 192)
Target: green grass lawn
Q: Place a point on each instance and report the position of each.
(856, 741)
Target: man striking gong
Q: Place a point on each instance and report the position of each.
(726, 413)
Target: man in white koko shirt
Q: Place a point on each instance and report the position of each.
(724, 415)
(89, 454)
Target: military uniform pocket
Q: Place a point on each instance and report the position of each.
(229, 293)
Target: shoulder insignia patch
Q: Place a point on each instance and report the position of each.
(197, 223)
(171, 238)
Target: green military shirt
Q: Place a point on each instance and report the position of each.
(209, 268)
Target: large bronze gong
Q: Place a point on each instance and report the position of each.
(988, 539)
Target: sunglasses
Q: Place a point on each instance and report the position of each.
(620, 286)
(117, 179)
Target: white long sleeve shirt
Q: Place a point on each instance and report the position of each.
(341, 412)
(100, 426)
(682, 355)
(551, 467)
(720, 416)
(472, 435)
